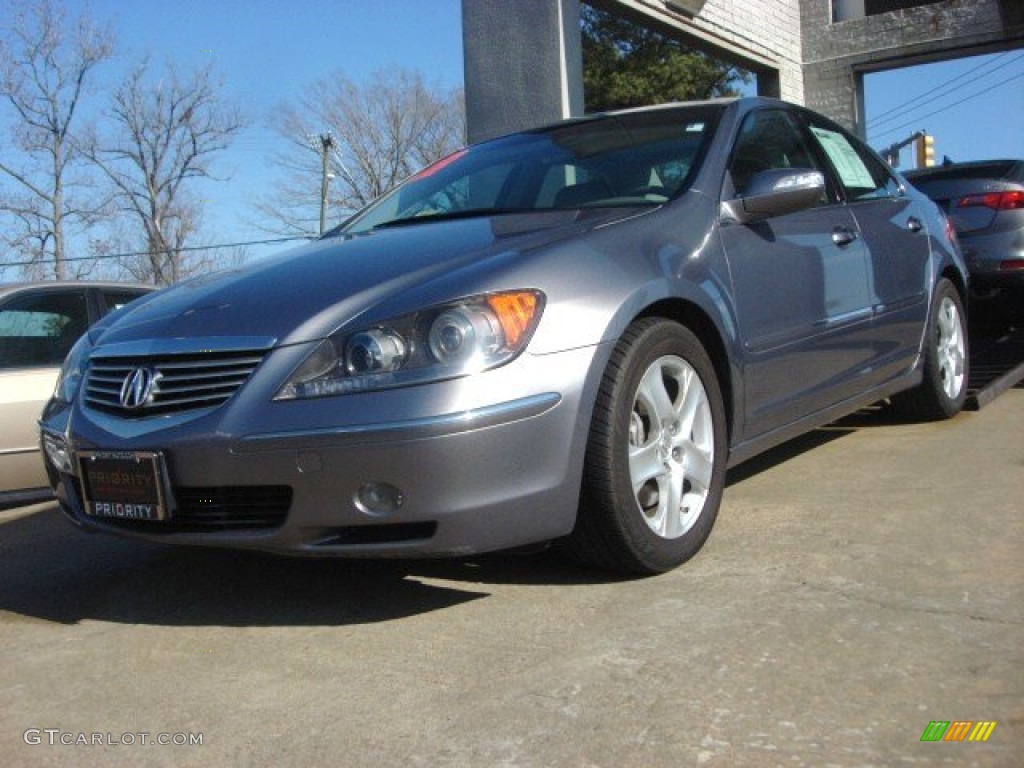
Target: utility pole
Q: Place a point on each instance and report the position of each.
(326, 143)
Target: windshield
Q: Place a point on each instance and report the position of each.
(643, 158)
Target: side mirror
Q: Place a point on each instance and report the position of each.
(775, 193)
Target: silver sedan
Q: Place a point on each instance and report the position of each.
(563, 335)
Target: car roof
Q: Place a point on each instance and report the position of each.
(9, 289)
(596, 117)
(668, 106)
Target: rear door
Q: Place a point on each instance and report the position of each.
(895, 236)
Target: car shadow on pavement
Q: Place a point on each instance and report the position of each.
(788, 450)
(53, 572)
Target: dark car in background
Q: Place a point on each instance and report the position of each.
(39, 322)
(985, 202)
(565, 334)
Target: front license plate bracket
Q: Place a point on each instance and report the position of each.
(124, 485)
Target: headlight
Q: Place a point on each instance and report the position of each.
(73, 370)
(441, 342)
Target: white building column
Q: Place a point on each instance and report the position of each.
(523, 64)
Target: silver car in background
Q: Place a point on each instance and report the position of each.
(985, 203)
(39, 322)
(566, 334)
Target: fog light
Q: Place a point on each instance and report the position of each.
(378, 498)
(58, 453)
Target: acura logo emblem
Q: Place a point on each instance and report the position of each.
(137, 390)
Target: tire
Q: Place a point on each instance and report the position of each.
(942, 393)
(655, 464)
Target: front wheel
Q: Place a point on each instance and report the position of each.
(942, 393)
(655, 464)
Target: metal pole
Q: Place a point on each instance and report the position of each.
(326, 142)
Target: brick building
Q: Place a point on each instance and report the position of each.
(523, 64)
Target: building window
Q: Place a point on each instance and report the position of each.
(844, 10)
(871, 7)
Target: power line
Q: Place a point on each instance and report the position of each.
(948, 106)
(899, 115)
(905, 107)
(103, 256)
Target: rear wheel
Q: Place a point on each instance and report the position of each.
(942, 393)
(655, 463)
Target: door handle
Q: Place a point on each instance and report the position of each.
(842, 236)
(914, 224)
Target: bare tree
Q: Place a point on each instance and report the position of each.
(46, 65)
(379, 133)
(119, 257)
(167, 131)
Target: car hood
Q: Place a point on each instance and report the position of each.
(309, 292)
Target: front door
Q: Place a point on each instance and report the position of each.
(801, 286)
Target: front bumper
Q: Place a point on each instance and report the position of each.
(480, 476)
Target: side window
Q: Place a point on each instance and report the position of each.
(116, 299)
(40, 329)
(768, 140)
(861, 174)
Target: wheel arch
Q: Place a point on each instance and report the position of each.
(703, 327)
(954, 276)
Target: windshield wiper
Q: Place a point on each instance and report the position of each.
(468, 213)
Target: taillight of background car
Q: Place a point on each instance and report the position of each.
(998, 201)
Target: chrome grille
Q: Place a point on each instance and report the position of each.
(184, 382)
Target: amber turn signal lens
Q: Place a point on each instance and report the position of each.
(516, 312)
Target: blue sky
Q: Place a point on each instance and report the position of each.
(267, 52)
(973, 107)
